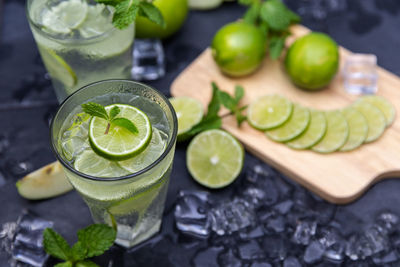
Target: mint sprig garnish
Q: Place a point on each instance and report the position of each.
(274, 18)
(126, 12)
(97, 110)
(93, 240)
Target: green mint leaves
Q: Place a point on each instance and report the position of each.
(93, 240)
(274, 18)
(212, 120)
(126, 12)
(97, 110)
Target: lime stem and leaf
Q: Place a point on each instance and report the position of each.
(126, 12)
(97, 110)
(273, 17)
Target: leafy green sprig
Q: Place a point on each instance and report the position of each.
(97, 110)
(126, 12)
(93, 241)
(274, 18)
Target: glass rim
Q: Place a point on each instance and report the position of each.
(66, 41)
(170, 144)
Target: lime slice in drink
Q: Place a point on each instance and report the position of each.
(58, 68)
(189, 112)
(97, 22)
(336, 134)
(152, 152)
(66, 16)
(269, 111)
(293, 127)
(358, 129)
(119, 143)
(90, 163)
(375, 119)
(214, 158)
(313, 134)
(384, 105)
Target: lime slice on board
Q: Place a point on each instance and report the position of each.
(375, 119)
(313, 134)
(90, 163)
(214, 158)
(189, 112)
(293, 127)
(120, 143)
(269, 111)
(336, 134)
(358, 129)
(58, 68)
(152, 152)
(383, 105)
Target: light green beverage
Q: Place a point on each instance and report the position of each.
(78, 43)
(129, 194)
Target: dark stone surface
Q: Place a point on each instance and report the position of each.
(27, 103)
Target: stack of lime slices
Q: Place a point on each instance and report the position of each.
(321, 131)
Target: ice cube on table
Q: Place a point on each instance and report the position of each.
(314, 252)
(148, 60)
(305, 230)
(360, 74)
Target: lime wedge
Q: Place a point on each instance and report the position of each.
(293, 127)
(336, 134)
(119, 143)
(189, 112)
(58, 68)
(66, 16)
(313, 134)
(204, 4)
(384, 105)
(375, 119)
(358, 129)
(97, 22)
(151, 153)
(269, 111)
(214, 158)
(90, 163)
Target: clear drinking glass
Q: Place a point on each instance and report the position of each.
(134, 202)
(78, 43)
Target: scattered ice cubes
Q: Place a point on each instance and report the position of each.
(291, 262)
(192, 213)
(228, 259)
(148, 60)
(284, 207)
(314, 252)
(386, 258)
(305, 230)
(333, 243)
(24, 239)
(387, 221)
(250, 250)
(276, 224)
(252, 233)
(360, 74)
(207, 257)
(275, 246)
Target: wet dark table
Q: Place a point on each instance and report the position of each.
(27, 103)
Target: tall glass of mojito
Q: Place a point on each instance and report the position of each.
(121, 171)
(78, 43)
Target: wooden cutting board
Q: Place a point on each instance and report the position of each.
(339, 177)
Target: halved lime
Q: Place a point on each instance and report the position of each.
(58, 68)
(269, 111)
(189, 112)
(98, 21)
(336, 134)
(293, 127)
(313, 134)
(383, 104)
(375, 119)
(90, 163)
(65, 16)
(358, 129)
(119, 143)
(214, 158)
(152, 152)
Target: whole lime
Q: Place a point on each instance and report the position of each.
(238, 48)
(174, 13)
(312, 61)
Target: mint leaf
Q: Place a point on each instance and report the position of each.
(151, 12)
(214, 122)
(78, 251)
(55, 245)
(97, 238)
(239, 93)
(276, 45)
(114, 112)
(64, 264)
(95, 109)
(227, 100)
(125, 13)
(252, 14)
(214, 105)
(86, 263)
(125, 123)
(275, 14)
(246, 2)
